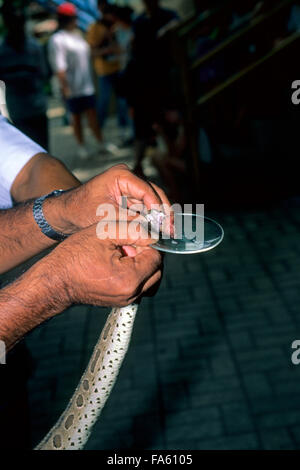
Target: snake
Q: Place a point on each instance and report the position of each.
(74, 426)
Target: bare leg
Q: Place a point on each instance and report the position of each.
(94, 124)
(77, 126)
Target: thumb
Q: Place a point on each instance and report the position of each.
(125, 233)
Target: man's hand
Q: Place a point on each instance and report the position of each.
(77, 209)
(82, 269)
(21, 238)
(98, 272)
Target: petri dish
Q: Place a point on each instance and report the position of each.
(196, 234)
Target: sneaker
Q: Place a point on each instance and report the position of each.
(113, 149)
(82, 152)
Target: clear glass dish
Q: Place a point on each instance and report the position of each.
(209, 235)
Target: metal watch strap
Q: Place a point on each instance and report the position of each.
(40, 218)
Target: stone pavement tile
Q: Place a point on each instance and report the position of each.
(275, 335)
(245, 320)
(185, 443)
(237, 418)
(278, 439)
(241, 340)
(261, 360)
(217, 391)
(194, 424)
(285, 382)
(174, 396)
(287, 388)
(279, 418)
(172, 371)
(210, 323)
(193, 432)
(229, 306)
(215, 384)
(295, 432)
(269, 404)
(192, 416)
(111, 434)
(216, 397)
(203, 347)
(167, 351)
(147, 431)
(257, 385)
(143, 375)
(222, 365)
(248, 441)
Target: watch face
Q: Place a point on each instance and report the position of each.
(57, 192)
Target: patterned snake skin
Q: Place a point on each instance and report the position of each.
(74, 427)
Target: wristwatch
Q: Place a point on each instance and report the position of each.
(40, 218)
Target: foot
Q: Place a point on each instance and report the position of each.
(113, 149)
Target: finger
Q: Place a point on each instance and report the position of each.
(161, 194)
(168, 223)
(126, 233)
(135, 205)
(151, 285)
(129, 251)
(132, 251)
(147, 266)
(147, 262)
(134, 187)
(132, 212)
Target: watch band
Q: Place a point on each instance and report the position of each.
(40, 218)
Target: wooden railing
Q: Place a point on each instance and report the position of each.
(259, 28)
(292, 41)
(261, 22)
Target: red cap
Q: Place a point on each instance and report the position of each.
(67, 9)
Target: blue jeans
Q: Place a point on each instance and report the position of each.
(107, 84)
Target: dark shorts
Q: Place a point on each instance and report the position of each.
(81, 103)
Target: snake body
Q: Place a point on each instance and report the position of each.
(74, 426)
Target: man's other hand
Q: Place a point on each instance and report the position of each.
(98, 272)
(77, 209)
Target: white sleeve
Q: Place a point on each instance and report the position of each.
(16, 150)
(57, 55)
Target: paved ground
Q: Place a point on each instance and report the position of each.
(209, 366)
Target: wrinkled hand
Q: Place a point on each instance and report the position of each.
(98, 272)
(77, 209)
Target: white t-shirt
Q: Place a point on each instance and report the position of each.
(16, 149)
(69, 52)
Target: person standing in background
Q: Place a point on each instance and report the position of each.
(124, 37)
(124, 34)
(69, 56)
(23, 69)
(106, 57)
(151, 92)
